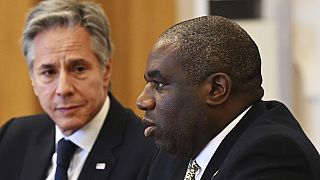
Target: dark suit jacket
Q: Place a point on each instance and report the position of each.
(27, 145)
(267, 144)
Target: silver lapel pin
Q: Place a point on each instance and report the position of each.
(101, 166)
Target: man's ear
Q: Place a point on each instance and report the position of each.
(107, 74)
(219, 88)
(33, 84)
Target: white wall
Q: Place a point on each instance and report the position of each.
(306, 53)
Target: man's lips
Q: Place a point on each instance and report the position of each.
(150, 127)
(67, 108)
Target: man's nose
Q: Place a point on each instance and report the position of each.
(64, 85)
(145, 101)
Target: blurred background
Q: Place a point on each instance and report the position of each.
(287, 33)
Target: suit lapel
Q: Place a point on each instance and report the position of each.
(226, 145)
(38, 157)
(102, 158)
(167, 166)
(99, 164)
(180, 169)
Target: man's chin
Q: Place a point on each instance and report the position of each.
(175, 151)
(166, 147)
(70, 125)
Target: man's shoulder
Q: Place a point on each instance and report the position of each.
(279, 147)
(26, 125)
(276, 122)
(29, 120)
(274, 115)
(33, 117)
(275, 136)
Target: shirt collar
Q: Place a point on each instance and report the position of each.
(86, 136)
(202, 158)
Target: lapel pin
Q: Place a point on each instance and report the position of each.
(214, 174)
(101, 166)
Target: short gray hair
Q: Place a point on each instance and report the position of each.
(68, 13)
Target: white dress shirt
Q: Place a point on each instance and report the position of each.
(84, 138)
(205, 155)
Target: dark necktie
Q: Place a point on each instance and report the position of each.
(65, 152)
(193, 167)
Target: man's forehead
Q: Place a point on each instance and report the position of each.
(161, 58)
(153, 64)
(160, 66)
(160, 54)
(72, 60)
(166, 45)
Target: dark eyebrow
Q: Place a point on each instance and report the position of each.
(46, 66)
(72, 62)
(77, 61)
(154, 74)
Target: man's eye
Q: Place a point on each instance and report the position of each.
(79, 68)
(48, 72)
(158, 85)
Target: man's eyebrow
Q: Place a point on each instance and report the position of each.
(154, 74)
(77, 61)
(46, 66)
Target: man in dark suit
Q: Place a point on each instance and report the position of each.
(203, 106)
(68, 48)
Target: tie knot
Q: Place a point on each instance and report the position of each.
(65, 152)
(193, 167)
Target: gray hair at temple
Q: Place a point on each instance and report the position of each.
(68, 13)
(212, 44)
